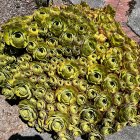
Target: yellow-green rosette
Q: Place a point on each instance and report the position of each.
(81, 99)
(36, 68)
(82, 85)
(16, 35)
(134, 96)
(24, 66)
(96, 74)
(93, 92)
(49, 97)
(111, 83)
(90, 115)
(65, 135)
(66, 95)
(32, 44)
(39, 92)
(41, 104)
(138, 80)
(74, 130)
(107, 122)
(57, 25)
(50, 108)
(129, 79)
(112, 113)
(85, 126)
(40, 52)
(22, 91)
(95, 135)
(56, 122)
(81, 28)
(102, 102)
(74, 108)
(2, 79)
(101, 49)
(117, 40)
(42, 114)
(127, 113)
(33, 29)
(52, 43)
(118, 98)
(67, 37)
(119, 126)
(75, 119)
(42, 78)
(40, 15)
(8, 93)
(106, 130)
(88, 47)
(112, 60)
(67, 70)
(62, 108)
(27, 111)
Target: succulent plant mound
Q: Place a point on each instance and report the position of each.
(73, 70)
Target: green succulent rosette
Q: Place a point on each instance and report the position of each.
(119, 126)
(73, 109)
(22, 89)
(39, 92)
(135, 96)
(36, 68)
(73, 71)
(90, 115)
(112, 113)
(62, 108)
(57, 25)
(88, 47)
(8, 93)
(16, 35)
(95, 135)
(68, 70)
(2, 79)
(118, 99)
(129, 79)
(85, 127)
(112, 60)
(56, 122)
(96, 74)
(93, 92)
(41, 104)
(127, 113)
(66, 95)
(41, 15)
(31, 46)
(49, 97)
(111, 83)
(102, 102)
(107, 130)
(117, 40)
(27, 111)
(40, 52)
(67, 37)
(107, 122)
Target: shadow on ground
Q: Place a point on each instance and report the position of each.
(19, 137)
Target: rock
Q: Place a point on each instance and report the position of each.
(92, 3)
(134, 18)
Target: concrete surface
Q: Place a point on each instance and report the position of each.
(134, 18)
(10, 123)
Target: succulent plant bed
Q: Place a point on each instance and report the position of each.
(72, 70)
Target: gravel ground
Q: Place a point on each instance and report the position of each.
(10, 123)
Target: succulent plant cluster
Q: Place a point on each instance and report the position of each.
(73, 71)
